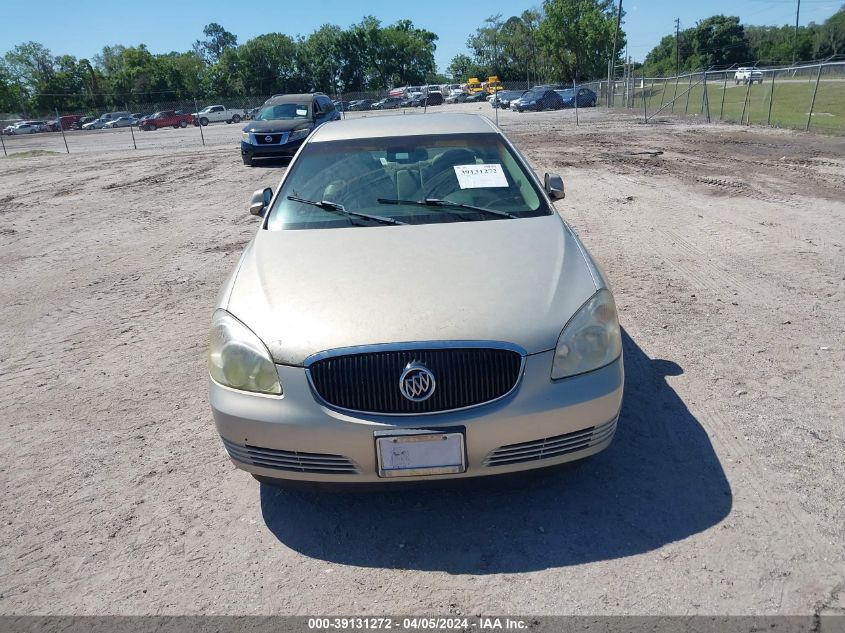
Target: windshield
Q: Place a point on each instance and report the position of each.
(361, 174)
(283, 111)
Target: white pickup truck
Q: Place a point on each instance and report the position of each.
(217, 113)
(748, 75)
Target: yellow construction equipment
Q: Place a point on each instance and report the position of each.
(473, 85)
(492, 84)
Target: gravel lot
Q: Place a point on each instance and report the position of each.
(722, 492)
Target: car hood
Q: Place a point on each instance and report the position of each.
(516, 281)
(279, 125)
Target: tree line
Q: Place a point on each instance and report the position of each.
(721, 41)
(563, 40)
(366, 56)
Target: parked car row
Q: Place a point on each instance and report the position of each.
(547, 98)
(542, 97)
(154, 121)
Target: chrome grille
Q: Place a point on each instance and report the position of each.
(550, 447)
(294, 461)
(369, 381)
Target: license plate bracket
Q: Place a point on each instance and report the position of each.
(421, 453)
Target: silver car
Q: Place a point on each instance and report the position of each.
(124, 121)
(412, 307)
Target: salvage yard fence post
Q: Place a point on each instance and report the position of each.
(131, 131)
(813, 102)
(771, 98)
(199, 123)
(62, 128)
(745, 103)
(3, 143)
(724, 91)
(645, 104)
(675, 96)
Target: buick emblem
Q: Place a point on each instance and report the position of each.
(268, 139)
(416, 382)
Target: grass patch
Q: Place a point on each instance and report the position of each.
(790, 102)
(33, 153)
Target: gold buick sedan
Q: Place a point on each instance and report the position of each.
(412, 307)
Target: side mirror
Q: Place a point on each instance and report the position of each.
(553, 184)
(260, 201)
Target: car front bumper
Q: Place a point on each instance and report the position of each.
(297, 438)
(258, 151)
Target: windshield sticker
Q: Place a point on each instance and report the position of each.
(478, 176)
(301, 112)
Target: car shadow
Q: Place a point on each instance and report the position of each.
(660, 481)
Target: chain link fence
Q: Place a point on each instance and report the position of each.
(806, 97)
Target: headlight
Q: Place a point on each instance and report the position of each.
(298, 134)
(590, 340)
(237, 358)
(245, 137)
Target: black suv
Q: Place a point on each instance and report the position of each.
(283, 123)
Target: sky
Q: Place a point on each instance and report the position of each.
(81, 28)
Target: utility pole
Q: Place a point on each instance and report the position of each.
(795, 39)
(611, 67)
(677, 46)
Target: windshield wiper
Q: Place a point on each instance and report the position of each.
(335, 207)
(436, 202)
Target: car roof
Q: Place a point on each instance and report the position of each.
(407, 125)
(297, 98)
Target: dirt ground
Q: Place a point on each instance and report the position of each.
(722, 493)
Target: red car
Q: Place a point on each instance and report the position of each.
(66, 122)
(166, 118)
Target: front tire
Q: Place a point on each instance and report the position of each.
(183, 124)
(247, 160)
(203, 121)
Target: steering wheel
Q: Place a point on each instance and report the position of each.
(438, 182)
